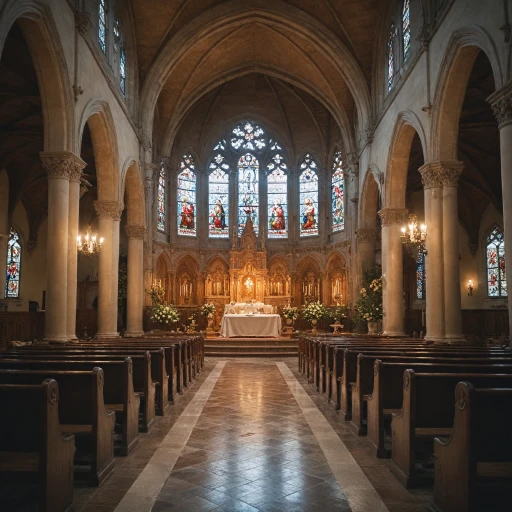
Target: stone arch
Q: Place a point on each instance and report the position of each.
(41, 35)
(133, 188)
(406, 127)
(460, 56)
(309, 261)
(98, 116)
(369, 202)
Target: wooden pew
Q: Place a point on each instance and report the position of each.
(31, 441)
(473, 468)
(81, 412)
(118, 390)
(427, 412)
(362, 389)
(387, 394)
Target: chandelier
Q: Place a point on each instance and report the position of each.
(413, 236)
(89, 244)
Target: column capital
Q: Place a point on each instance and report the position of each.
(62, 165)
(393, 216)
(501, 104)
(109, 209)
(135, 232)
(367, 235)
(439, 174)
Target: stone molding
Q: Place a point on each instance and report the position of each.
(441, 174)
(109, 209)
(135, 232)
(367, 235)
(62, 165)
(393, 216)
(83, 22)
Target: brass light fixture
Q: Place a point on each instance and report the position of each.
(414, 237)
(89, 244)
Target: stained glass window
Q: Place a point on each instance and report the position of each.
(391, 57)
(161, 212)
(496, 273)
(218, 197)
(277, 194)
(248, 136)
(406, 28)
(308, 197)
(12, 282)
(102, 25)
(187, 197)
(248, 194)
(338, 193)
(122, 69)
(420, 276)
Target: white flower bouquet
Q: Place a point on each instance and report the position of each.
(208, 308)
(165, 314)
(290, 312)
(314, 311)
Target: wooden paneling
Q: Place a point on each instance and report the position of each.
(21, 326)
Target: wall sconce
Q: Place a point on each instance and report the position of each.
(470, 287)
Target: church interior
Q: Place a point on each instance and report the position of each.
(254, 255)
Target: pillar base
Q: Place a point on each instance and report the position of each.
(73, 339)
(434, 339)
(106, 335)
(394, 334)
(134, 334)
(56, 341)
(455, 339)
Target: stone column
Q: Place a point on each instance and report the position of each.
(366, 240)
(149, 191)
(432, 179)
(501, 102)
(325, 284)
(73, 219)
(107, 211)
(4, 228)
(392, 221)
(135, 292)
(116, 222)
(451, 172)
(58, 167)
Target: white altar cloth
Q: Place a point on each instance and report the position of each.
(250, 325)
(243, 308)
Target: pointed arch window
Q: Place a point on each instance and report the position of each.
(12, 282)
(248, 192)
(338, 193)
(248, 136)
(391, 56)
(277, 194)
(187, 197)
(122, 69)
(495, 264)
(218, 196)
(421, 281)
(102, 25)
(161, 196)
(406, 27)
(308, 197)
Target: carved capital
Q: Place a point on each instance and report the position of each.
(393, 216)
(367, 235)
(441, 174)
(61, 165)
(135, 232)
(83, 22)
(109, 209)
(451, 173)
(502, 109)
(431, 176)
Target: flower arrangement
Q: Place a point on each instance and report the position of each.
(314, 311)
(290, 312)
(165, 314)
(157, 294)
(369, 302)
(208, 308)
(338, 313)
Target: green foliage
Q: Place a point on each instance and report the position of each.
(290, 312)
(207, 308)
(338, 312)
(314, 311)
(165, 314)
(369, 302)
(157, 294)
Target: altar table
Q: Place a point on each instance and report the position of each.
(250, 326)
(244, 307)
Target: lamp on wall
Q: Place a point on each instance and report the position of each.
(470, 287)
(414, 237)
(89, 244)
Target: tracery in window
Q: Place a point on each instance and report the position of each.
(161, 209)
(218, 197)
(277, 194)
(248, 193)
(338, 193)
(420, 276)
(122, 69)
(12, 282)
(102, 25)
(308, 197)
(187, 197)
(406, 28)
(248, 136)
(496, 272)
(391, 57)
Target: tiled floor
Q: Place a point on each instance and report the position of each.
(248, 436)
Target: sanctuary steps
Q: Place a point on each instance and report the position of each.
(250, 347)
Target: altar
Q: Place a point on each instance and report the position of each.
(250, 325)
(238, 308)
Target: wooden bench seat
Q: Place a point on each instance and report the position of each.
(31, 442)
